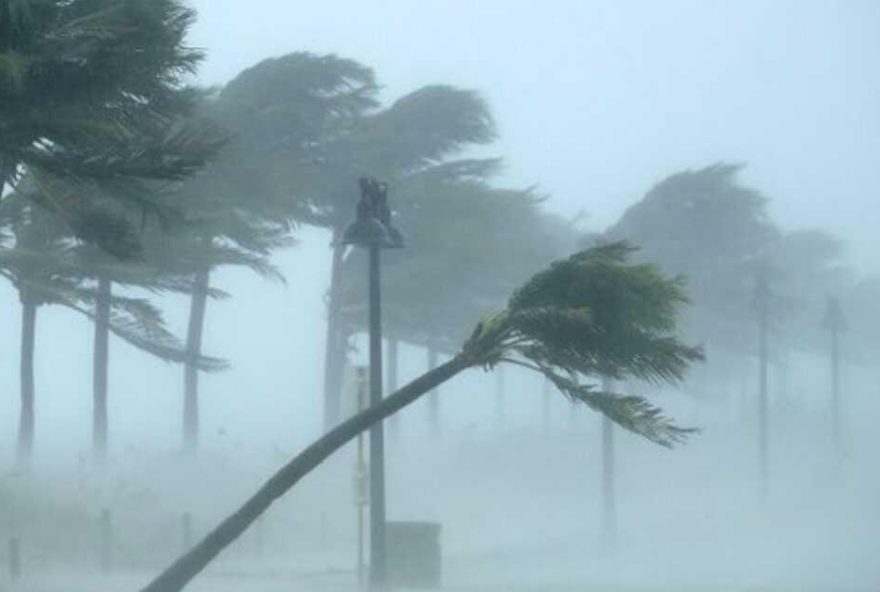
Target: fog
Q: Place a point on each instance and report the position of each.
(595, 102)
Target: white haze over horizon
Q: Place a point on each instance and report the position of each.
(595, 102)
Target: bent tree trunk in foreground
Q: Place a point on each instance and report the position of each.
(544, 328)
(182, 571)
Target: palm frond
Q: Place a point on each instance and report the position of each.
(595, 315)
(629, 412)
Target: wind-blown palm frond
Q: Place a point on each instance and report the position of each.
(595, 315)
(632, 413)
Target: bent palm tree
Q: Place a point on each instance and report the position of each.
(590, 315)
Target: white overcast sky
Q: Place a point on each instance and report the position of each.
(597, 100)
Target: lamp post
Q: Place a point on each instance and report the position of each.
(835, 322)
(372, 230)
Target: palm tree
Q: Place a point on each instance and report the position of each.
(309, 126)
(224, 227)
(590, 315)
(48, 266)
(211, 252)
(438, 284)
(91, 94)
(158, 271)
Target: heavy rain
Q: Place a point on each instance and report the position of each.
(439, 295)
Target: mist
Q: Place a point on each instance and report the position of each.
(733, 146)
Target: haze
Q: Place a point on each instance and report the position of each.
(595, 103)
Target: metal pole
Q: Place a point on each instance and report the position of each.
(361, 475)
(377, 442)
(609, 502)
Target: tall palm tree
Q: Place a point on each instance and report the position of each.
(312, 127)
(208, 253)
(158, 271)
(590, 315)
(48, 266)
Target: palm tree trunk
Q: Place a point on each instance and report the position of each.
(187, 566)
(26, 414)
(198, 304)
(100, 365)
(434, 397)
(334, 347)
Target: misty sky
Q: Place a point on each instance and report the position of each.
(597, 100)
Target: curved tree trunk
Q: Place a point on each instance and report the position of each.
(198, 303)
(26, 414)
(186, 567)
(334, 348)
(100, 366)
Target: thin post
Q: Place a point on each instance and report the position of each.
(360, 484)
(377, 440)
(14, 558)
(609, 502)
(106, 540)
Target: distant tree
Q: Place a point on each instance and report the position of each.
(708, 227)
(590, 315)
(314, 127)
(47, 266)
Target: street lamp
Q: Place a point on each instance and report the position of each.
(835, 322)
(372, 230)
